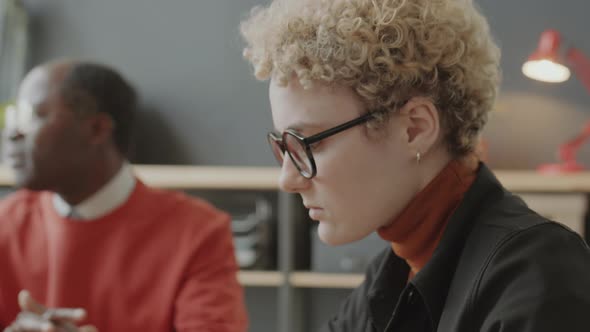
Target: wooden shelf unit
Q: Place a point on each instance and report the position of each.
(266, 178)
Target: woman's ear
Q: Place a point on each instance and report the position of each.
(422, 124)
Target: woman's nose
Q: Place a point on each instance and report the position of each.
(290, 180)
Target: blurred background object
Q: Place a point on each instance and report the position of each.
(550, 63)
(13, 48)
(13, 51)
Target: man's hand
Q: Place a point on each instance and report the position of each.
(35, 317)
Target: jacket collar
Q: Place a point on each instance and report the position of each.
(433, 281)
(386, 289)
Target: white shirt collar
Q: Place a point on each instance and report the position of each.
(112, 195)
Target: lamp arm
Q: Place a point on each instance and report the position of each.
(567, 151)
(581, 66)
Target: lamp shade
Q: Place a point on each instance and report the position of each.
(545, 64)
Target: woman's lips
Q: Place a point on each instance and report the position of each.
(315, 213)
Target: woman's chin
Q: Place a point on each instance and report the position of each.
(332, 235)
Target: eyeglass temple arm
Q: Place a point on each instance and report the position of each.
(332, 131)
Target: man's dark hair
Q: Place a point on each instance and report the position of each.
(91, 87)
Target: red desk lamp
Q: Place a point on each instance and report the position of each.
(550, 63)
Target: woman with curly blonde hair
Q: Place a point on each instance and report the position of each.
(378, 106)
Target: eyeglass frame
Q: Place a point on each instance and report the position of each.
(306, 142)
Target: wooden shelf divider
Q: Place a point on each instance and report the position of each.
(325, 280)
(260, 278)
(266, 178)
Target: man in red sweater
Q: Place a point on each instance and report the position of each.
(84, 233)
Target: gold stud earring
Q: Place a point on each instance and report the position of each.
(418, 157)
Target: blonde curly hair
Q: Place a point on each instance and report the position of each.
(387, 51)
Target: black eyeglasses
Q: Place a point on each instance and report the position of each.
(299, 147)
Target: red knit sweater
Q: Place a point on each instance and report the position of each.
(161, 262)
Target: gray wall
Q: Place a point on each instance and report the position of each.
(201, 105)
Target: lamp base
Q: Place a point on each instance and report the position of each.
(571, 167)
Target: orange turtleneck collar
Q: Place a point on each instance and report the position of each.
(416, 232)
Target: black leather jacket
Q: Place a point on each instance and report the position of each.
(499, 267)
